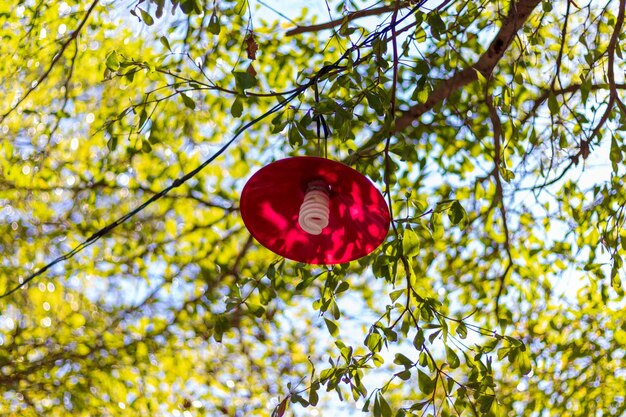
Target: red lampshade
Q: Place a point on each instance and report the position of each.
(358, 217)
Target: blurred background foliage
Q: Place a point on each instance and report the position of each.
(495, 129)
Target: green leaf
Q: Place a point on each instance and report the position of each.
(296, 398)
(420, 405)
(503, 352)
(342, 287)
(241, 7)
(257, 309)
(452, 358)
(378, 360)
(145, 146)
(457, 213)
(523, 362)
(374, 101)
(615, 154)
(333, 329)
(294, 136)
(112, 143)
(373, 341)
(143, 115)
(191, 6)
(481, 78)
(410, 243)
(145, 16)
(436, 225)
(188, 101)
(334, 308)
(243, 80)
(424, 359)
(585, 88)
(394, 295)
(343, 28)
(366, 406)
(436, 23)
(421, 94)
(165, 43)
(546, 5)
(616, 281)
(385, 409)
(418, 340)
(433, 336)
(490, 345)
(112, 60)
(376, 410)
(278, 124)
(461, 330)
(159, 10)
(400, 359)
(425, 384)
(507, 175)
(485, 403)
(237, 108)
(563, 141)
(214, 24)
(82, 349)
(390, 334)
(404, 375)
(313, 397)
(553, 104)
(443, 205)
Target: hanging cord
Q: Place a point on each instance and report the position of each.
(181, 180)
(326, 135)
(320, 121)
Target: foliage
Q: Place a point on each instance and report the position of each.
(495, 130)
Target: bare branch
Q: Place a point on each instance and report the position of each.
(611, 71)
(349, 17)
(498, 199)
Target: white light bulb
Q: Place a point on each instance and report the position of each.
(314, 211)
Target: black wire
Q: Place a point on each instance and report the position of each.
(181, 180)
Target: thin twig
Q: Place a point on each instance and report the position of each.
(53, 63)
(499, 198)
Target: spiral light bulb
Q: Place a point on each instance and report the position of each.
(314, 211)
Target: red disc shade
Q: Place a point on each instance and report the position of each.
(271, 200)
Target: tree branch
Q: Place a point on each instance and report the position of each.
(499, 197)
(572, 88)
(559, 58)
(349, 17)
(518, 14)
(611, 71)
